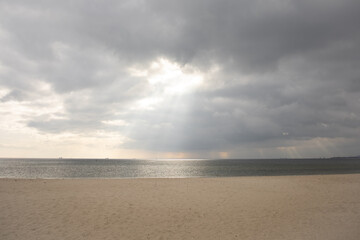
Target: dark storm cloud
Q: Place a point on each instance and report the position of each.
(255, 35)
(287, 70)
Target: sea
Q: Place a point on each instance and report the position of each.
(51, 168)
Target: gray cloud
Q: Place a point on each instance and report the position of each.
(288, 71)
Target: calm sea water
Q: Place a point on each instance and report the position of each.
(174, 168)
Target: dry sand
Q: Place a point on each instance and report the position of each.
(284, 207)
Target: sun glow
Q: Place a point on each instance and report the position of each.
(166, 79)
(173, 78)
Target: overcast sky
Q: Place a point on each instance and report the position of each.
(179, 79)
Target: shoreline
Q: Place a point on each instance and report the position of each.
(187, 177)
(245, 207)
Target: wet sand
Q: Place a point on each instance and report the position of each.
(277, 207)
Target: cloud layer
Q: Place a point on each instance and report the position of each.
(277, 78)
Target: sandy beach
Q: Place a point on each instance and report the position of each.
(280, 207)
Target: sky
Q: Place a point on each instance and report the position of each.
(179, 79)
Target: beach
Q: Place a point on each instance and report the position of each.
(269, 207)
